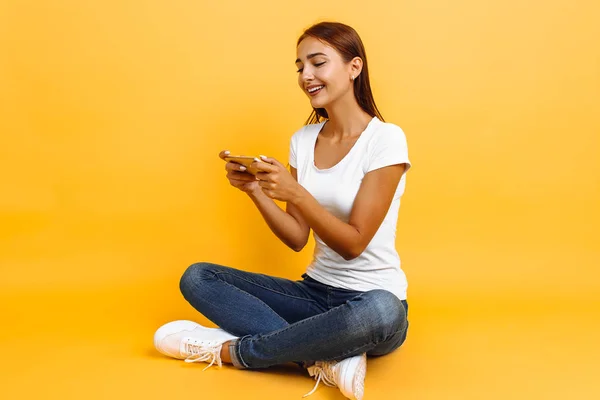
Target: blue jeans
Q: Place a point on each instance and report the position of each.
(279, 320)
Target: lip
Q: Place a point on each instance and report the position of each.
(314, 86)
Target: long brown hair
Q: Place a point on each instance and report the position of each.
(346, 41)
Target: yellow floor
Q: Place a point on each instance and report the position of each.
(97, 344)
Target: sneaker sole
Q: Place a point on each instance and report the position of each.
(353, 377)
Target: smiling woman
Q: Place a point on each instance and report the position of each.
(340, 41)
(346, 179)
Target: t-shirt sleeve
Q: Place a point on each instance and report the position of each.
(293, 158)
(293, 145)
(388, 148)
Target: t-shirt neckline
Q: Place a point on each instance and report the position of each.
(314, 144)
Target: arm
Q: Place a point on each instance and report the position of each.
(289, 226)
(370, 206)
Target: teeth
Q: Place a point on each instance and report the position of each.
(312, 90)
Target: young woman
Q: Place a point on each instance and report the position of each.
(347, 176)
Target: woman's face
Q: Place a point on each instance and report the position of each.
(322, 73)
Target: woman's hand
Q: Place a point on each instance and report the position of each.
(238, 177)
(275, 180)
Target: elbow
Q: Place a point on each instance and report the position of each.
(354, 248)
(298, 242)
(353, 253)
(297, 247)
(350, 256)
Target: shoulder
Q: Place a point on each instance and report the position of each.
(387, 135)
(387, 146)
(387, 130)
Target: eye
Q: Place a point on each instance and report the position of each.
(316, 65)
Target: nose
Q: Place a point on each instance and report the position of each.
(306, 75)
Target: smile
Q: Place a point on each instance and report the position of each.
(315, 90)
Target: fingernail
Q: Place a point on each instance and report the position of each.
(256, 159)
(242, 168)
(227, 152)
(263, 156)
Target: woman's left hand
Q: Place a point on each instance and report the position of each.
(275, 180)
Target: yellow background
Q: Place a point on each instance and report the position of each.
(112, 114)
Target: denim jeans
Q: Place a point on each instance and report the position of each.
(279, 320)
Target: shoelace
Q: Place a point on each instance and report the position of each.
(200, 353)
(323, 372)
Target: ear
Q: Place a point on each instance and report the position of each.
(356, 65)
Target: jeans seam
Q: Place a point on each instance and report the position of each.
(392, 335)
(238, 352)
(263, 287)
(405, 307)
(405, 310)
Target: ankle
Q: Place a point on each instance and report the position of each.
(225, 356)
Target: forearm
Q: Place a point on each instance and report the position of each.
(282, 224)
(341, 237)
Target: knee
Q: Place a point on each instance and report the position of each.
(387, 311)
(193, 276)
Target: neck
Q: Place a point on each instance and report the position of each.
(346, 118)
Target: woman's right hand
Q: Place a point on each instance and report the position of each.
(238, 177)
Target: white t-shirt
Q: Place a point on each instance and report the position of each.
(378, 267)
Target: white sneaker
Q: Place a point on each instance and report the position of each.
(348, 375)
(189, 341)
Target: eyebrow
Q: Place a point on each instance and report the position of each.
(308, 57)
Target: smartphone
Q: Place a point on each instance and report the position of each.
(246, 161)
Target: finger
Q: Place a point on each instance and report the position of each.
(224, 154)
(242, 176)
(262, 176)
(271, 160)
(266, 185)
(238, 182)
(264, 167)
(231, 166)
(265, 177)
